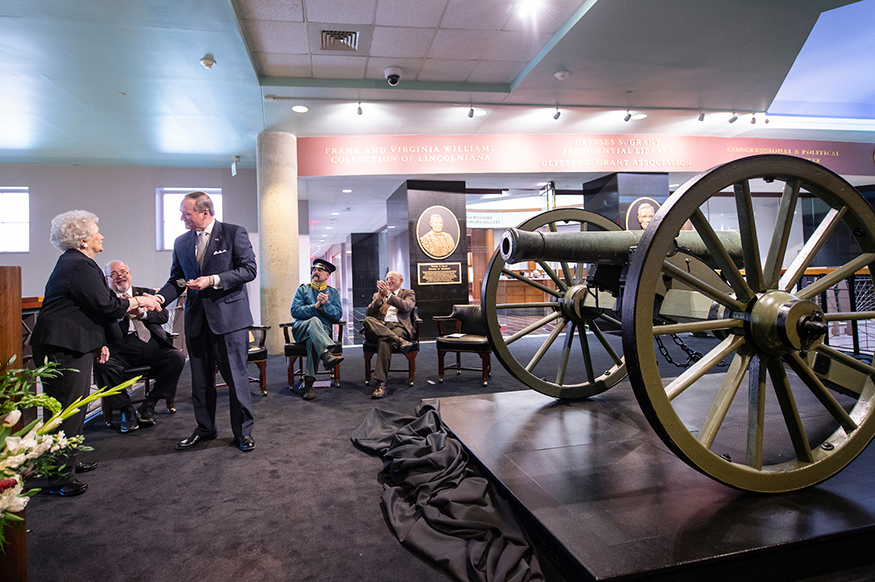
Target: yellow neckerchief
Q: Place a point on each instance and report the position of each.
(322, 288)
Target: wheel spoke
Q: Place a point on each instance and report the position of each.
(817, 388)
(532, 327)
(778, 248)
(610, 319)
(560, 284)
(587, 355)
(747, 229)
(700, 368)
(566, 353)
(788, 409)
(525, 305)
(694, 326)
(719, 253)
(544, 347)
(847, 360)
(843, 272)
(812, 247)
(599, 334)
(535, 284)
(756, 412)
(849, 316)
(728, 389)
(703, 287)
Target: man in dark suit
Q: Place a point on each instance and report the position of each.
(388, 324)
(214, 261)
(138, 339)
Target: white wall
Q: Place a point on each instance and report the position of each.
(124, 200)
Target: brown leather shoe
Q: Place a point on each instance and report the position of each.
(381, 390)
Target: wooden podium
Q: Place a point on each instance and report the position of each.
(13, 561)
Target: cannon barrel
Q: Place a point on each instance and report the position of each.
(604, 247)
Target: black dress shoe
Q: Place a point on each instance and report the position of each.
(68, 489)
(193, 441)
(404, 346)
(85, 467)
(246, 443)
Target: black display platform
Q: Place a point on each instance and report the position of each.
(604, 499)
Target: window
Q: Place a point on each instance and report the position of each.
(15, 220)
(168, 217)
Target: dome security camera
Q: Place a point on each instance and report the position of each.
(393, 75)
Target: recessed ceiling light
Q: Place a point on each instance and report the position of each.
(335, 214)
(208, 62)
(327, 228)
(391, 226)
(346, 190)
(300, 109)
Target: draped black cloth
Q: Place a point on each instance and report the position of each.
(439, 506)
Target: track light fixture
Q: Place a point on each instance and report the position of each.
(471, 112)
(753, 118)
(628, 116)
(359, 110)
(734, 118)
(701, 116)
(557, 114)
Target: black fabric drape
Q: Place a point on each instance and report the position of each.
(437, 505)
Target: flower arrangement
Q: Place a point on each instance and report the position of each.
(36, 449)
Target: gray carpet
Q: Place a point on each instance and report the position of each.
(304, 505)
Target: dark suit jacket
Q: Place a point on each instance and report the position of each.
(154, 321)
(77, 307)
(228, 255)
(404, 301)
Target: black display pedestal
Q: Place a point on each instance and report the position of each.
(604, 499)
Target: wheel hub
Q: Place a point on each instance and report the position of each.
(574, 304)
(780, 323)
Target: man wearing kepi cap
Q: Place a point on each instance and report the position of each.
(315, 308)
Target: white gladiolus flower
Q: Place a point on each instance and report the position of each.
(12, 443)
(10, 418)
(53, 424)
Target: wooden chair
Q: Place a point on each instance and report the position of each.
(297, 352)
(370, 348)
(467, 335)
(147, 376)
(257, 355)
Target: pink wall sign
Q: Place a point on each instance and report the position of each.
(483, 154)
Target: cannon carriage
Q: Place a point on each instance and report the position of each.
(768, 404)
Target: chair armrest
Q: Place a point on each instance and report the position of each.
(254, 326)
(285, 327)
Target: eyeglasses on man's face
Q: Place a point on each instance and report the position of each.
(122, 273)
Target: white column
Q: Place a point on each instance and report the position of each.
(277, 177)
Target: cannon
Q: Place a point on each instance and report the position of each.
(763, 402)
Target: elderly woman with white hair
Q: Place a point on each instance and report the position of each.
(69, 330)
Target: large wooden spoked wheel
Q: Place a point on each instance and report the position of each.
(558, 312)
(770, 406)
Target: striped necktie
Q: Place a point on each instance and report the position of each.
(139, 327)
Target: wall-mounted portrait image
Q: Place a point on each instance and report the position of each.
(438, 232)
(640, 213)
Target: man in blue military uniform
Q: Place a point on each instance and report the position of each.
(315, 308)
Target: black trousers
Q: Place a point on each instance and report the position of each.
(66, 388)
(131, 352)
